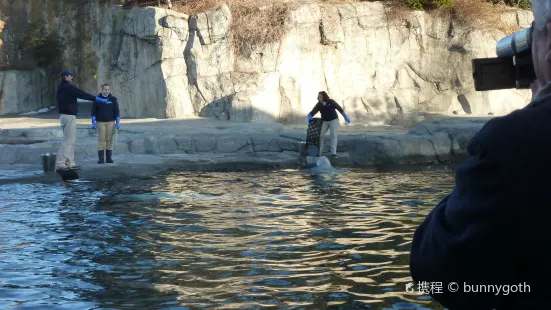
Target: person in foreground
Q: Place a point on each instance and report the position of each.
(328, 109)
(67, 95)
(492, 228)
(105, 117)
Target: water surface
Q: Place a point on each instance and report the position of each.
(248, 240)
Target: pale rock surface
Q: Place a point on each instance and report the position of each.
(141, 54)
(165, 64)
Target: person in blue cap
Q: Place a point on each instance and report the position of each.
(67, 95)
(328, 109)
(105, 118)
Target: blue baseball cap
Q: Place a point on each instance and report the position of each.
(65, 72)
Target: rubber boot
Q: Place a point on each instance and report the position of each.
(108, 153)
(100, 156)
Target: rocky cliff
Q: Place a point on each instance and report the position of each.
(165, 64)
(24, 91)
(380, 68)
(74, 21)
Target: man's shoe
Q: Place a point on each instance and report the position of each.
(74, 167)
(108, 154)
(101, 157)
(334, 156)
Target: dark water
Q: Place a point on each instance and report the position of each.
(249, 240)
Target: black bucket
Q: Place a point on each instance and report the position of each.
(53, 158)
(48, 161)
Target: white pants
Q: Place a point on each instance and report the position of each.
(333, 126)
(66, 154)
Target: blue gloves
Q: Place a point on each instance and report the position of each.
(101, 100)
(346, 118)
(118, 123)
(94, 122)
(309, 117)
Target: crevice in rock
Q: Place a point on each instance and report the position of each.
(451, 30)
(366, 107)
(455, 48)
(323, 37)
(464, 103)
(399, 111)
(208, 30)
(252, 144)
(129, 145)
(246, 145)
(427, 130)
(417, 73)
(438, 159)
(452, 151)
(191, 64)
(457, 82)
(270, 144)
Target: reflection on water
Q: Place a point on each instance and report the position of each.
(283, 239)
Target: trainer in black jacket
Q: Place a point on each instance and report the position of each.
(106, 119)
(67, 95)
(328, 111)
(106, 112)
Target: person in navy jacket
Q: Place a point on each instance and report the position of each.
(105, 118)
(486, 243)
(67, 104)
(328, 109)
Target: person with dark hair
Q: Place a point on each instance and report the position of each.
(328, 109)
(67, 95)
(106, 117)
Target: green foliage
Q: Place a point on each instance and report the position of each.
(522, 4)
(443, 3)
(424, 4)
(416, 4)
(43, 48)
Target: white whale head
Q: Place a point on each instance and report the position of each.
(323, 162)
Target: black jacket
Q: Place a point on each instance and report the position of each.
(328, 111)
(67, 95)
(493, 228)
(106, 112)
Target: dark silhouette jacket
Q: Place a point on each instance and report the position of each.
(67, 95)
(493, 228)
(106, 112)
(328, 111)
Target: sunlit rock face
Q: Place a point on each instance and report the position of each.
(165, 64)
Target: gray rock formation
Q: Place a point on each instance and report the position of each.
(165, 64)
(141, 54)
(25, 91)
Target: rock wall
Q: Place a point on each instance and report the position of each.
(165, 64)
(25, 91)
(141, 56)
(74, 20)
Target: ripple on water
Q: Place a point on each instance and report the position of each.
(216, 240)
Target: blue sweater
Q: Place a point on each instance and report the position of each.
(106, 112)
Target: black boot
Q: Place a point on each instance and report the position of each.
(108, 154)
(100, 156)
